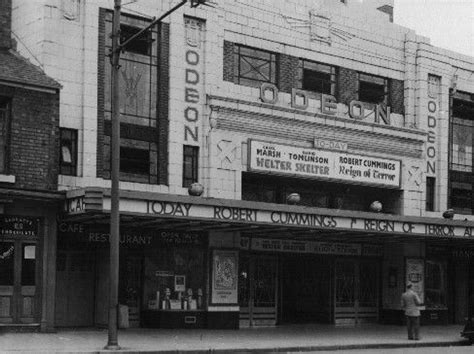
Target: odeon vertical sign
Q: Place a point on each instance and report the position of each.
(432, 123)
(193, 78)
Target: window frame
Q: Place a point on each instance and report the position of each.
(461, 182)
(272, 61)
(190, 165)
(128, 161)
(68, 168)
(372, 80)
(430, 193)
(317, 67)
(127, 31)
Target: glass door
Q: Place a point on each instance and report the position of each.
(257, 290)
(17, 282)
(356, 293)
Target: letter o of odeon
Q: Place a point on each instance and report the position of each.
(432, 107)
(193, 116)
(192, 58)
(431, 152)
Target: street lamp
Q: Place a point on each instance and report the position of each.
(117, 47)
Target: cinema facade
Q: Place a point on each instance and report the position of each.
(277, 166)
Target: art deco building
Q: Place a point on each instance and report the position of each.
(281, 162)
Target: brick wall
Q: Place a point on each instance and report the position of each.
(228, 61)
(288, 70)
(396, 101)
(347, 83)
(34, 140)
(5, 23)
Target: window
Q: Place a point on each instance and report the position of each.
(435, 284)
(4, 131)
(28, 265)
(372, 89)
(135, 161)
(252, 67)
(68, 152)
(7, 263)
(461, 159)
(138, 73)
(139, 45)
(430, 193)
(317, 77)
(190, 165)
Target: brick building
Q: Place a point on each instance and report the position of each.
(29, 197)
(332, 150)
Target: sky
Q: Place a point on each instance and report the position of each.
(449, 23)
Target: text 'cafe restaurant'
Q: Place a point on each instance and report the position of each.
(194, 262)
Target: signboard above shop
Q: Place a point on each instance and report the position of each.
(273, 158)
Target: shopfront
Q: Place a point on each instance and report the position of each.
(18, 269)
(192, 262)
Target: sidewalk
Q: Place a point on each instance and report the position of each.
(278, 339)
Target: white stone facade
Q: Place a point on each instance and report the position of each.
(62, 36)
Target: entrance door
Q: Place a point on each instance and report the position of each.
(305, 288)
(258, 290)
(356, 291)
(17, 282)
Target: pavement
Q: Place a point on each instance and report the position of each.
(281, 339)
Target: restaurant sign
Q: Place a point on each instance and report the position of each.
(314, 163)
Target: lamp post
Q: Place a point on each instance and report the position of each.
(117, 47)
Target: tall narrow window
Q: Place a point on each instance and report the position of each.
(28, 265)
(7, 263)
(252, 67)
(372, 89)
(461, 157)
(317, 77)
(68, 152)
(190, 165)
(4, 131)
(430, 193)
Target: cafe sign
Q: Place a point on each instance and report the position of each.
(273, 158)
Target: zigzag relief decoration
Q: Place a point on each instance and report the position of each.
(226, 153)
(320, 27)
(415, 176)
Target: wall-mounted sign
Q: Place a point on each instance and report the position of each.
(329, 144)
(224, 277)
(72, 232)
(18, 226)
(328, 105)
(333, 248)
(434, 85)
(415, 275)
(330, 165)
